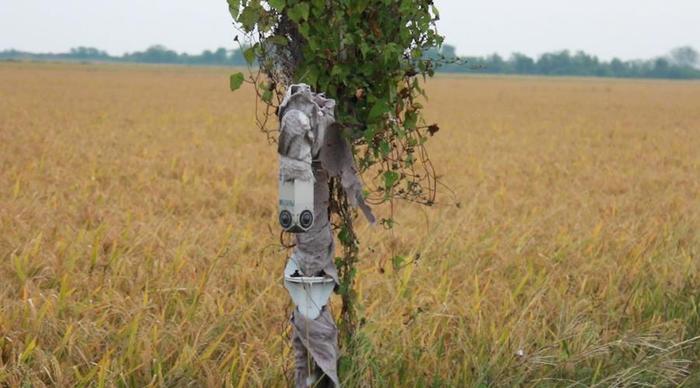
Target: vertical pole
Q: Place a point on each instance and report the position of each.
(315, 342)
(303, 116)
(311, 144)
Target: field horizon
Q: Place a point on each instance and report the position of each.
(140, 244)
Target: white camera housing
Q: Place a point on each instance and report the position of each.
(296, 205)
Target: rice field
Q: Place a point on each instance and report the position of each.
(139, 242)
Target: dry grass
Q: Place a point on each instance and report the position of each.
(139, 242)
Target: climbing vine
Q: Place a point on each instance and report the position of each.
(368, 55)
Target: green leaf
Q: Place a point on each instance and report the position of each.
(310, 76)
(277, 4)
(249, 17)
(378, 109)
(249, 55)
(234, 6)
(345, 236)
(299, 12)
(370, 131)
(318, 6)
(385, 148)
(410, 120)
(305, 30)
(267, 96)
(358, 6)
(390, 179)
(406, 6)
(337, 70)
(364, 49)
(279, 40)
(397, 261)
(236, 81)
(436, 13)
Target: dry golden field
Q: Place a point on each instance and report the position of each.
(140, 246)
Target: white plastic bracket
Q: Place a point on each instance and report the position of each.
(309, 293)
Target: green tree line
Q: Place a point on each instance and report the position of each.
(154, 54)
(680, 63)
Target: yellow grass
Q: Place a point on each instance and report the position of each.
(139, 241)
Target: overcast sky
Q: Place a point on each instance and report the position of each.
(628, 29)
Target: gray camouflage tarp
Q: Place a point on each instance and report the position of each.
(311, 146)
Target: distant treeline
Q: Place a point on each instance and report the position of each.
(154, 54)
(680, 63)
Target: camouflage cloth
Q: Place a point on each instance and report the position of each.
(308, 131)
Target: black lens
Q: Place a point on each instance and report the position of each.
(306, 219)
(285, 219)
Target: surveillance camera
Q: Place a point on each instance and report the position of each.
(296, 213)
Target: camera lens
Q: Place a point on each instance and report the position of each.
(285, 219)
(306, 219)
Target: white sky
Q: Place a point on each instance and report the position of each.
(628, 29)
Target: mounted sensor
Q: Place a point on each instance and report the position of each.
(296, 206)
